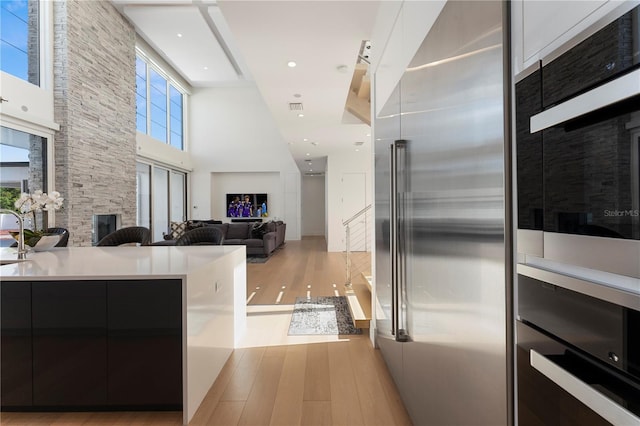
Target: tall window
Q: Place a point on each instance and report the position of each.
(161, 198)
(160, 112)
(20, 39)
(23, 169)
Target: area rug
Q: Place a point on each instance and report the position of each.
(322, 315)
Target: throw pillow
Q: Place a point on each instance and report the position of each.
(177, 229)
(258, 230)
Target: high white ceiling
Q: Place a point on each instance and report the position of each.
(240, 41)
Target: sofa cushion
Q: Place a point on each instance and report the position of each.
(238, 231)
(224, 227)
(258, 230)
(234, 242)
(270, 226)
(253, 242)
(177, 229)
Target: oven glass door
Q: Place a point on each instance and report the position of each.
(558, 385)
(591, 173)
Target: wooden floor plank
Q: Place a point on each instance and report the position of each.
(317, 386)
(227, 413)
(212, 398)
(242, 379)
(345, 404)
(375, 408)
(396, 406)
(317, 413)
(287, 408)
(259, 405)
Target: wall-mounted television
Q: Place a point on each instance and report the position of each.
(248, 204)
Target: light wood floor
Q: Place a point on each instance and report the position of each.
(340, 382)
(302, 268)
(294, 269)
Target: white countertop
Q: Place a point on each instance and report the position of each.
(111, 262)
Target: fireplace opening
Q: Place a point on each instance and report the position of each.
(103, 225)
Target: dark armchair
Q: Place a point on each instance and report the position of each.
(206, 235)
(129, 235)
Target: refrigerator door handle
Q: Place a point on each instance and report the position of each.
(393, 226)
(396, 232)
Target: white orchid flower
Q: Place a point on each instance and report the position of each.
(23, 203)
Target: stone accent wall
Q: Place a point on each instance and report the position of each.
(94, 96)
(33, 42)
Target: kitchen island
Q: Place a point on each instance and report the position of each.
(118, 328)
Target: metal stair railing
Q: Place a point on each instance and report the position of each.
(361, 239)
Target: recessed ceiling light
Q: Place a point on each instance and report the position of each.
(308, 154)
(305, 140)
(357, 150)
(368, 134)
(300, 115)
(179, 35)
(206, 68)
(291, 64)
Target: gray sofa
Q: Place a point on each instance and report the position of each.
(260, 239)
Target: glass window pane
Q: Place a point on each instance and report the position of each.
(178, 202)
(141, 87)
(143, 189)
(160, 203)
(20, 40)
(141, 95)
(23, 169)
(176, 134)
(158, 94)
(175, 107)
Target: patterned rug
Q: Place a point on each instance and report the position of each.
(322, 315)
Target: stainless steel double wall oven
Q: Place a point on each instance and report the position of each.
(578, 190)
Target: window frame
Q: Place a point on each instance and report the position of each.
(153, 167)
(171, 82)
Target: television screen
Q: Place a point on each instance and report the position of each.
(247, 205)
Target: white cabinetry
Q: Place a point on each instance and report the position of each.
(543, 29)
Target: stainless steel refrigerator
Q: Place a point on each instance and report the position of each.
(441, 203)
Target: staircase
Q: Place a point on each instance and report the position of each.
(358, 266)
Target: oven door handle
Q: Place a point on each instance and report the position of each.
(584, 393)
(609, 93)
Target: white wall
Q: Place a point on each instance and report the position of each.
(313, 205)
(337, 166)
(232, 131)
(28, 104)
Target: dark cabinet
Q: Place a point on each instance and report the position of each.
(145, 342)
(69, 343)
(91, 344)
(15, 352)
